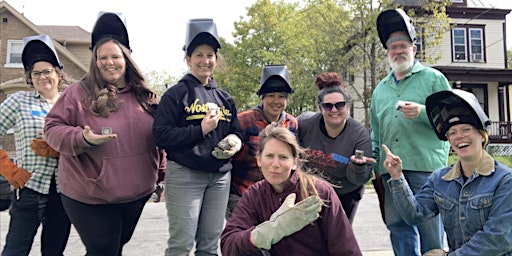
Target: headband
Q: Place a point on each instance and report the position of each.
(398, 38)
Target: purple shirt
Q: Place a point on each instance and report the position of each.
(120, 170)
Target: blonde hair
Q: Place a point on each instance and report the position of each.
(485, 135)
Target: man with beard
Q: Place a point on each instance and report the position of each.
(398, 120)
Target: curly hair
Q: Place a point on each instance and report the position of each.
(102, 97)
(331, 82)
(63, 78)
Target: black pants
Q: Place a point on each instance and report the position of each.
(29, 211)
(350, 201)
(104, 228)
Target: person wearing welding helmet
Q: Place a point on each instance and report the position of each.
(398, 119)
(472, 196)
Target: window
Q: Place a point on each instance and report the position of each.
(13, 57)
(419, 43)
(468, 44)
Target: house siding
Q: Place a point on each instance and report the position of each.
(493, 40)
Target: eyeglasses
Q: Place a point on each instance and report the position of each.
(37, 74)
(399, 47)
(464, 131)
(328, 106)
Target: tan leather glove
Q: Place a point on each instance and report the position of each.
(41, 147)
(288, 219)
(16, 176)
(435, 252)
(227, 147)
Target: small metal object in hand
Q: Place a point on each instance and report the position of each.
(224, 145)
(399, 104)
(359, 154)
(106, 130)
(213, 108)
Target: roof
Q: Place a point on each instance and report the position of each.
(68, 33)
(498, 4)
(455, 73)
(485, 4)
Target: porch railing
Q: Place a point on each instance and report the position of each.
(500, 132)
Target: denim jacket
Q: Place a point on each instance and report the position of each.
(476, 214)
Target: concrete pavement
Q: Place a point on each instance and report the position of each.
(150, 236)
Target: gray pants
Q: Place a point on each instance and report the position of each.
(196, 203)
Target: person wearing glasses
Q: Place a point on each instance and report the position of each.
(472, 196)
(274, 92)
(36, 199)
(398, 119)
(332, 138)
(102, 126)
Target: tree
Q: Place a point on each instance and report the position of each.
(159, 81)
(315, 36)
(509, 59)
(283, 33)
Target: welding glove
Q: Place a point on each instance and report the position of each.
(435, 252)
(41, 147)
(227, 147)
(288, 219)
(16, 176)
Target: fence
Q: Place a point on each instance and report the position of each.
(500, 149)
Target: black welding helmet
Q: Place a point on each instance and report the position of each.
(448, 108)
(112, 25)
(274, 78)
(199, 32)
(391, 21)
(38, 48)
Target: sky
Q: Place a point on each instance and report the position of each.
(156, 28)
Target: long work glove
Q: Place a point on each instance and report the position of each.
(16, 176)
(227, 147)
(288, 219)
(41, 147)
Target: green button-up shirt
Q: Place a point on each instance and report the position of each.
(414, 140)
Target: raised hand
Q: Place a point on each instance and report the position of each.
(392, 163)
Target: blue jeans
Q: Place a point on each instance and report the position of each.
(404, 238)
(27, 213)
(196, 203)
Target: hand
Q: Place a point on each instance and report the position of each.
(96, 139)
(41, 147)
(209, 122)
(227, 147)
(363, 160)
(16, 176)
(288, 219)
(392, 163)
(411, 109)
(435, 252)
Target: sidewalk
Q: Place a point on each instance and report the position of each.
(150, 237)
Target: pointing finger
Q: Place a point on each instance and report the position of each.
(386, 149)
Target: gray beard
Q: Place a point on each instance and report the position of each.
(401, 67)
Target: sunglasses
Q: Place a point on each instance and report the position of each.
(328, 106)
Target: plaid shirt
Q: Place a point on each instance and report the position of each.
(245, 170)
(25, 113)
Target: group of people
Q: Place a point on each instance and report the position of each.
(259, 182)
